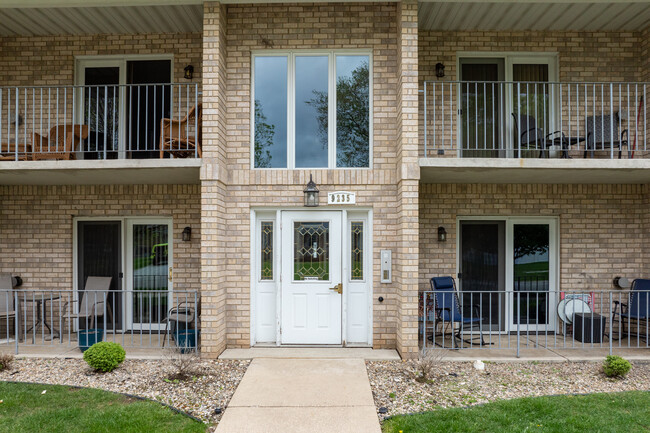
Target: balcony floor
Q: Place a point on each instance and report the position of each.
(101, 172)
(534, 170)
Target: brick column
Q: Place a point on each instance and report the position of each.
(214, 177)
(408, 179)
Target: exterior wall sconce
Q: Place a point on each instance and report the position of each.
(440, 70)
(189, 71)
(442, 234)
(187, 234)
(311, 193)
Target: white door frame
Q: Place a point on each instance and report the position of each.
(108, 61)
(510, 58)
(130, 222)
(554, 265)
(127, 250)
(361, 290)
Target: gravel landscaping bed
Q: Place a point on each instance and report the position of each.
(456, 384)
(199, 395)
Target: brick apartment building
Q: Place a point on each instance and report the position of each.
(416, 114)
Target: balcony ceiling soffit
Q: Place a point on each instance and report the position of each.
(43, 21)
(529, 15)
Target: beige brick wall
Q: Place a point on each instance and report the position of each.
(602, 228)
(230, 184)
(582, 57)
(36, 227)
(49, 60)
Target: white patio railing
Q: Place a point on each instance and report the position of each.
(532, 317)
(58, 319)
(100, 121)
(534, 119)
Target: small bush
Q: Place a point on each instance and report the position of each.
(6, 359)
(427, 364)
(615, 366)
(181, 367)
(104, 356)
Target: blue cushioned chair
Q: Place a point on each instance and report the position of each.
(447, 308)
(638, 307)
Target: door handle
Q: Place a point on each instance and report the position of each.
(170, 274)
(338, 288)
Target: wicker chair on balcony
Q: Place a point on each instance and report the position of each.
(175, 138)
(603, 133)
(61, 142)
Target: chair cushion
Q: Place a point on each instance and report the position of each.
(442, 283)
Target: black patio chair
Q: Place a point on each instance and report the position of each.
(603, 132)
(637, 308)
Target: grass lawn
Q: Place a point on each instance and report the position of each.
(68, 410)
(617, 412)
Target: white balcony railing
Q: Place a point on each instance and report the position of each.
(535, 119)
(100, 122)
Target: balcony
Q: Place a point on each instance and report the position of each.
(71, 131)
(534, 131)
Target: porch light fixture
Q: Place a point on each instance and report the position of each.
(440, 70)
(311, 193)
(189, 71)
(442, 234)
(187, 234)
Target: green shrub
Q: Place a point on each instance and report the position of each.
(104, 356)
(615, 366)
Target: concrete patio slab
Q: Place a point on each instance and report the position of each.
(302, 395)
(366, 353)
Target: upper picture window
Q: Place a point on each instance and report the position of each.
(311, 110)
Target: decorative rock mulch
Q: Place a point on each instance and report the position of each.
(455, 384)
(198, 396)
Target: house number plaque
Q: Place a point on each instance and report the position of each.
(341, 197)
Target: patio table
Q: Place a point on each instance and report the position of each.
(41, 313)
(565, 142)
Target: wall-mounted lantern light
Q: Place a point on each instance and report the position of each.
(187, 234)
(311, 193)
(442, 234)
(440, 70)
(189, 71)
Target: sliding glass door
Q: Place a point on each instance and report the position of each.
(531, 271)
(149, 270)
(507, 272)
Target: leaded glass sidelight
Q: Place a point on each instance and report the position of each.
(356, 250)
(311, 251)
(266, 261)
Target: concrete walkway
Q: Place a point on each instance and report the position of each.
(302, 395)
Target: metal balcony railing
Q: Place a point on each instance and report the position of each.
(63, 319)
(497, 119)
(100, 122)
(534, 317)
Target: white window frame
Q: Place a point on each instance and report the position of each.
(291, 56)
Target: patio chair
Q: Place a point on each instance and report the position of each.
(174, 138)
(8, 152)
(93, 299)
(603, 132)
(527, 134)
(60, 143)
(183, 313)
(448, 309)
(637, 308)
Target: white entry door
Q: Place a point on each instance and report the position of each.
(312, 283)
